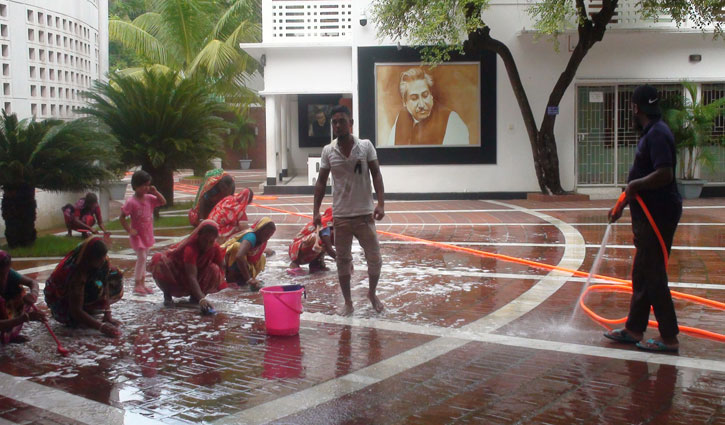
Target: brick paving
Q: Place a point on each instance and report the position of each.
(542, 366)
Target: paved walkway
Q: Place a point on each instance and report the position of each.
(464, 338)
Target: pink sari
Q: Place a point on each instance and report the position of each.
(210, 180)
(169, 266)
(229, 212)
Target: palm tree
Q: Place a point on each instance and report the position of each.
(692, 121)
(51, 155)
(162, 122)
(197, 38)
(242, 135)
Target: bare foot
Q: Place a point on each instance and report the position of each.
(347, 310)
(148, 289)
(140, 290)
(377, 305)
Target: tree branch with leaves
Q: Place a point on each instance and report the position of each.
(440, 27)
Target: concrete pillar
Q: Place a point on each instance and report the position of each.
(271, 141)
(278, 137)
(284, 134)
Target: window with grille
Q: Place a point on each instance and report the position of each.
(607, 139)
(711, 93)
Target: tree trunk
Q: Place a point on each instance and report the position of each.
(543, 140)
(19, 213)
(481, 40)
(590, 32)
(163, 179)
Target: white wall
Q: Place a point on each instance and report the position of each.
(309, 70)
(49, 215)
(91, 14)
(624, 56)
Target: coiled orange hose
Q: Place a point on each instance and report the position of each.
(623, 286)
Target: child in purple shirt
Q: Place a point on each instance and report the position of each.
(140, 208)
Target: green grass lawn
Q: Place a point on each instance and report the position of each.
(183, 205)
(45, 246)
(160, 222)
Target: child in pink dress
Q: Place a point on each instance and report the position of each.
(140, 207)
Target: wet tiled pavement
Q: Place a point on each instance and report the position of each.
(464, 339)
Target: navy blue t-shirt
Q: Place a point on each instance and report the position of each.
(655, 149)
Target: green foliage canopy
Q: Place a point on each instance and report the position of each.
(444, 24)
(54, 155)
(120, 57)
(162, 121)
(440, 26)
(199, 39)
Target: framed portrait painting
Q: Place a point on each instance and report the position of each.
(417, 113)
(427, 106)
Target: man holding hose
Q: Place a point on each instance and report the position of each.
(652, 178)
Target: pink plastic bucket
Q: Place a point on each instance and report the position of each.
(282, 309)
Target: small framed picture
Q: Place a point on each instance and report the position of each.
(314, 119)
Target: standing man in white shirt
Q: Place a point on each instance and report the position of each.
(350, 159)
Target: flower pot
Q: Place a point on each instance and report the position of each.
(116, 189)
(690, 189)
(244, 164)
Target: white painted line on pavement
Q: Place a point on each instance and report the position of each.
(572, 257)
(66, 404)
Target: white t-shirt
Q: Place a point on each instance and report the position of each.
(351, 185)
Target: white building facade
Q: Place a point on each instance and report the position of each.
(52, 51)
(318, 52)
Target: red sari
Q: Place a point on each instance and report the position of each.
(210, 180)
(102, 286)
(169, 266)
(229, 212)
(12, 303)
(307, 245)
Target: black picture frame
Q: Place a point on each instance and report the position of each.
(314, 102)
(483, 154)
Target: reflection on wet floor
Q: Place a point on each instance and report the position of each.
(175, 366)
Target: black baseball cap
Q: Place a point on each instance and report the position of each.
(647, 99)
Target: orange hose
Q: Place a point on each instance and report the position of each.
(624, 285)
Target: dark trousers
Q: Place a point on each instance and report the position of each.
(649, 273)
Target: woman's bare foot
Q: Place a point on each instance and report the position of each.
(347, 310)
(140, 290)
(377, 305)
